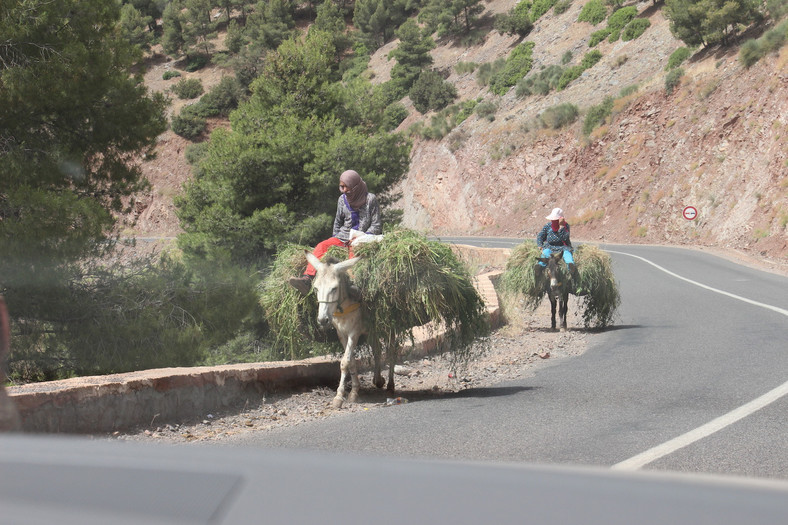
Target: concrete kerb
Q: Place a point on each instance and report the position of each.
(98, 404)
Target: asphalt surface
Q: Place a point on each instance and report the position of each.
(674, 372)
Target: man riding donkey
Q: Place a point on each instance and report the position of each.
(553, 238)
(357, 209)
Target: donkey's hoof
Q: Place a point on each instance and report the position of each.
(353, 397)
(338, 402)
(380, 382)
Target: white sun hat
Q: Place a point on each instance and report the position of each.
(556, 214)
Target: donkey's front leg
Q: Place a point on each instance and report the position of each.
(552, 311)
(355, 384)
(563, 308)
(344, 365)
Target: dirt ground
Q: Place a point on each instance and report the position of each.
(512, 352)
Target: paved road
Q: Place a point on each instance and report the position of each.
(693, 377)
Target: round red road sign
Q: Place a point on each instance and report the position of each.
(690, 213)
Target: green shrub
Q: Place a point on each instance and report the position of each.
(673, 79)
(188, 88)
(596, 115)
(540, 7)
(750, 53)
(465, 67)
(393, 116)
(598, 36)
(677, 58)
(488, 70)
(170, 73)
(431, 91)
(558, 116)
(517, 21)
(593, 12)
(222, 98)
(197, 62)
(539, 83)
(188, 124)
(566, 57)
(775, 38)
(771, 41)
(621, 18)
(777, 8)
(466, 110)
(590, 59)
(629, 90)
(562, 6)
(635, 28)
(569, 75)
(518, 64)
(486, 110)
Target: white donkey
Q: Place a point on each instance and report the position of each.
(335, 305)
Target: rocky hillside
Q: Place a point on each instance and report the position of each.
(718, 143)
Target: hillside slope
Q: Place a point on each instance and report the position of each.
(719, 143)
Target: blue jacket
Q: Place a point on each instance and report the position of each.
(556, 241)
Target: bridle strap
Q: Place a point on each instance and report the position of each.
(348, 309)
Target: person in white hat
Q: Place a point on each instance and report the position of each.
(554, 237)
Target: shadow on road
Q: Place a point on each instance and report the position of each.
(490, 391)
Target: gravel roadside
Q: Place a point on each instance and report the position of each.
(512, 352)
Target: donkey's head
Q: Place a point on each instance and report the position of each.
(331, 285)
(554, 272)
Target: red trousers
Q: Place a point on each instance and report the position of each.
(321, 249)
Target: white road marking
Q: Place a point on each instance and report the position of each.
(696, 283)
(715, 425)
(644, 458)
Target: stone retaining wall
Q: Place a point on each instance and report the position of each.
(97, 404)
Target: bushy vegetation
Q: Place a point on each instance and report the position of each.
(678, 57)
(559, 116)
(621, 24)
(540, 83)
(466, 110)
(770, 42)
(431, 92)
(188, 123)
(596, 115)
(619, 19)
(465, 67)
(571, 73)
(593, 12)
(487, 71)
(487, 110)
(672, 79)
(188, 88)
(517, 21)
(709, 22)
(635, 28)
(518, 64)
(256, 187)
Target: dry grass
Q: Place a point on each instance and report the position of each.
(406, 281)
(596, 275)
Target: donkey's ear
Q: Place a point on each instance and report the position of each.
(314, 261)
(344, 265)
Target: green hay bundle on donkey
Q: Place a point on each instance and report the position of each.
(596, 275)
(406, 281)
